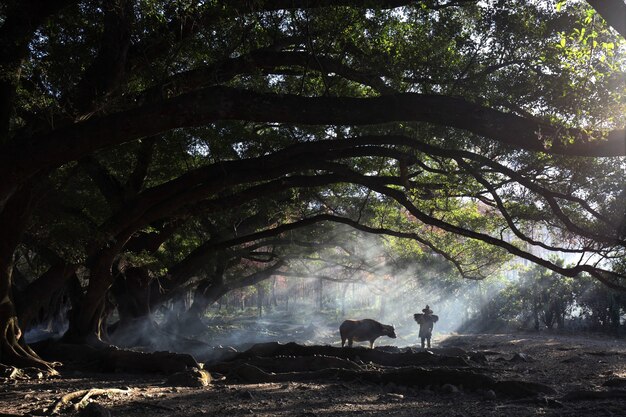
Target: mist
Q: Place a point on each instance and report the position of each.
(309, 309)
(307, 302)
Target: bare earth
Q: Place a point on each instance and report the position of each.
(566, 363)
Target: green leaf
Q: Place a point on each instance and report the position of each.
(559, 5)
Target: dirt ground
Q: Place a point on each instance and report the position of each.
(566, 363)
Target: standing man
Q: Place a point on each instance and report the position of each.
(426, 322)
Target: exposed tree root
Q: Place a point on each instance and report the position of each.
(246, 373)
(13, 349)
(78, 399)
(112, 359)
(288, 364)
(615, 383)
(521, 389)
(407, 376)
(584, 395)
(11, 372)
(540, 401)
(274, 362)
(377, 356)
(164, 362)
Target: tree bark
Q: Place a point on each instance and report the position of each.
(205, 295)
(88, 319)
(260, 297)
(39, 293)
(13, 348)
(131, 290)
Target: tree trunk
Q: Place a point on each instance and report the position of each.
(131, 291)
(208, 291)
(343, 299)
(274, 300)
(319, 289)
(88, 319)
(37, 296)
(536, 316)
(614, 314)
(260, 296)
(13, 348)
(203, 299)
(548, 317)
(559, 308)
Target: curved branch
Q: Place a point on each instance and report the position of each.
(109, 186)
(143, 157)
(609, 278)
(106, 72)
(261, 59)
(549, 195)
(507, 216)
(20, 161)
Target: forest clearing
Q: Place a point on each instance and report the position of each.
(587, 374)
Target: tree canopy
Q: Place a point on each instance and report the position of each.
(152, 147)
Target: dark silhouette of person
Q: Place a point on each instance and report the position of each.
(426, 321)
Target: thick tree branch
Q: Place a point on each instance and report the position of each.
(256, 277)
(549, 195)
(266, 59)
(511, 223)
(107, 70)
(143, 157)
(611, 279)
(20, 161)
(109, 186)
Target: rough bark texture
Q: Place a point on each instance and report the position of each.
(13, 349)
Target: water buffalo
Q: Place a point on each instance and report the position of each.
(362, 330)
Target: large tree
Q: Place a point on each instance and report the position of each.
(127, 124)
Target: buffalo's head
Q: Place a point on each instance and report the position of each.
(389, 331)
